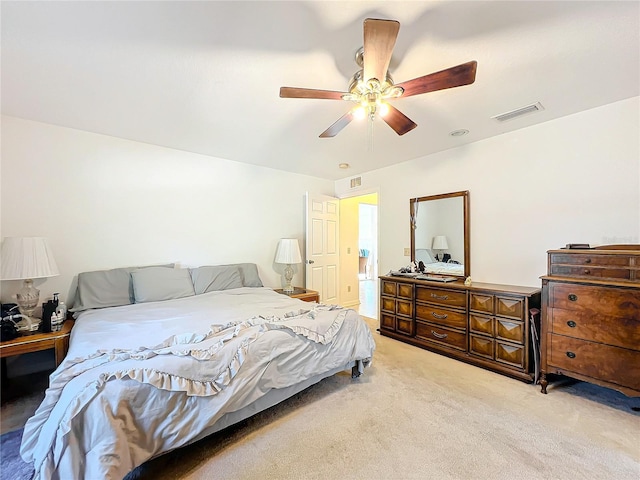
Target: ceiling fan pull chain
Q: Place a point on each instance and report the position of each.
(370, 134)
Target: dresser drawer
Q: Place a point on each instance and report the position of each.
(450, 298)
(404, 290)
(590, 259)
(603, 300)
(482, 346)
(404, 325)
(445, 336)
(510, 307)
(479, 302)
(509, 330)
(387, 321)
(481, 324)
(404, 307)
(388, 288)
(596, 360)
(619, 331)
(591, 272)
(509, 354)
(388, 304)
(441, 316)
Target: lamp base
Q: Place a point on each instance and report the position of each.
(288, 276)
(27, 298)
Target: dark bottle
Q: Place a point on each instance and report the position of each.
(48, 309)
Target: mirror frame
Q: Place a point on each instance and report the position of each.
(465, 216)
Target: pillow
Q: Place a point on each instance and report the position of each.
(248, 273)
(105, 288)
(250, 277)
(425, 255)
(154, 284)
(221, 277)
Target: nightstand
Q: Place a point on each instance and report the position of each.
(302, 294)
(59, 341)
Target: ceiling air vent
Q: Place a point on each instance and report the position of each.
(356, 182)
(503, 117)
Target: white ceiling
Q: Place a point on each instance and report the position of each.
(204, 77)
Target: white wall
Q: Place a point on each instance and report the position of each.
(571, 180)
(105, 202)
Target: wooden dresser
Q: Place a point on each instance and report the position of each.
(483, 324)
(591, 317)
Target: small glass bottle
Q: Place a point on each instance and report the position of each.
(61, 311)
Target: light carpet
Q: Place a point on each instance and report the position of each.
(418, 415)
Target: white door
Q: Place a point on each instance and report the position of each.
(322, 246)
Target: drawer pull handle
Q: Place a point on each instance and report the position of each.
(573, 297)
(440, 297)
(571, 355)
(571, 323)
(587, 271)
(439, 317)
(439, 335)
(588, 260)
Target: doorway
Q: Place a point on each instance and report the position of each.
(368, 259)
(359, 254)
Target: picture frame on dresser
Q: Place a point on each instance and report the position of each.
(590, 327)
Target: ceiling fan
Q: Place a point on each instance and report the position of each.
(372, 87)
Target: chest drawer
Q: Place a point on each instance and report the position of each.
(623, 302)
(441, 296)
(596, 360)
(591, 272)
(590, 259)
(441, 316)
(451, 338)
(619, 331)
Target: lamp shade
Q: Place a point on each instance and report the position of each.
(27, 258)
(440, 242)
(288, 251)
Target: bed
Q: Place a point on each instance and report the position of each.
(431, 265)
(176, 362)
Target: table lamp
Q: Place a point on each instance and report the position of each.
(440, 243)
(288, 252)
(26, 258)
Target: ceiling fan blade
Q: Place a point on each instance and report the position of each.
(379, 40)
(334, 129)
(399, 121)
(457, 76)
(293, 92)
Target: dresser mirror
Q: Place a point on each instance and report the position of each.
(440, 233)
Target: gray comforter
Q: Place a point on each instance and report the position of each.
(143, 379)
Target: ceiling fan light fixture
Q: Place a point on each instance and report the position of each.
(360, 112)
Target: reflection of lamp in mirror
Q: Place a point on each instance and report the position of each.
(26, 258)
(440, 243)
(288, 252)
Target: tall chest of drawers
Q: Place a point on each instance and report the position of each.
(591, 317)
(483, 324)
